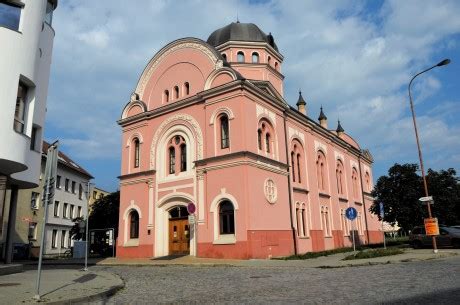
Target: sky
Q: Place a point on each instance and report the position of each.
(355, 58)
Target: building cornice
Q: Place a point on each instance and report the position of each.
(138, 174)
(250, 44)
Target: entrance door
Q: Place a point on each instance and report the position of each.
(179, 236)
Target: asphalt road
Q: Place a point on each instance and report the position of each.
(426, 282)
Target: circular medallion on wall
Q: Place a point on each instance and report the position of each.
(270, 190)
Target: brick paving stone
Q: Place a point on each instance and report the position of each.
(423, 282)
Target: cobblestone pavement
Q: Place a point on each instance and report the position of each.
(426, 282)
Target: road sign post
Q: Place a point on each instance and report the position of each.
(382, 214)
(351, 214)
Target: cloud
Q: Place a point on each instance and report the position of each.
(353, 59)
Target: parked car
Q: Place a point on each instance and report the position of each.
(448, 237)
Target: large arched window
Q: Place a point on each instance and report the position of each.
(183, 157)
(136, 152)
(187, 88)
(172, 160)
(176, 92)
(226, 218)
(296, 161)
(240, 56)
(224, 132)
(354, 181)
(339, 177)
(133, 224)
(255, 58)
(265, 133)
(177, 145)
(321, 170)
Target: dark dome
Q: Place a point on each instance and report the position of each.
(237, 31)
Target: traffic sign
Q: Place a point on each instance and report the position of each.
(191, 219)
(191, 208)
(351, 213)
(425, 199)
(431, 226)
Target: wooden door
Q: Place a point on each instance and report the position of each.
(179, 237)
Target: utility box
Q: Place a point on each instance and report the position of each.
(79, 248)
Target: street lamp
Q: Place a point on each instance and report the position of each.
(442, 63)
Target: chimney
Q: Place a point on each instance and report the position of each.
(301, 104)
(322, 119)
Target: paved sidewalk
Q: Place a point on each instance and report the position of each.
(331, 261)
(58, 286)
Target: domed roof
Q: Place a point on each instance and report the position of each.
(237, 31)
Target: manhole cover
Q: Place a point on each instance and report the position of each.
(9, 284)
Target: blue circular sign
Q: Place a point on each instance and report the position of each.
(351, 213)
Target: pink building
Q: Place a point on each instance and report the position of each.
(208, 124)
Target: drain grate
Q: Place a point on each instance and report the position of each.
(260, 276)
(9, 284)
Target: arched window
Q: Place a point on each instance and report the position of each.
(354, 180)
(224, 56)
(255, 58)
(187, 88)
(276, 66)
(301, 217)
(259, 138)
(367, 179)
(136, 152)
(166, 96)
(339, 177)
(176, 92)
(240, 56)
(325, 221)
(269, 60)
(321, 170)
(172, 160)
(133, 224)
(224, 134)
(183, 157)
(293, 166)
(267, 142)
(227, 218)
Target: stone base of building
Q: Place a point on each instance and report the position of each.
(141, 251)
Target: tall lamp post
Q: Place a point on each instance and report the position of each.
(442, 63)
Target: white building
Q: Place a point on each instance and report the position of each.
(70, 202)
(26, 40)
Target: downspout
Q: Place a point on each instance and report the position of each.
(289, 185)
(362, 196)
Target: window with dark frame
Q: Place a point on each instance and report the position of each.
(66, 187)
(80, 191)
(54, 239)
(58, 181)
(136, 152)
(56, 208)
(20, 110)
(227, 218)
(134, 225)
(224, 132)
(74, 191)
(240, 56)
(10, 15)
(64, 210)
(63, 234)
(183, 157)
(255, 58)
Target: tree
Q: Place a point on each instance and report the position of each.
(400, 190)
(77, 232)
(104, 212)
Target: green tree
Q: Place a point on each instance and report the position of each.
(104, 212)
(399, 193)
(444, 186)
(77, 232)
(400, 190)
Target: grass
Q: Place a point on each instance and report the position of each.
(374, 253)
(399, 242)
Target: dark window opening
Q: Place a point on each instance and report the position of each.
(20, 110)
(176, 92)
(187, 88)
(267, 142)
(166, 96)
(298, 167)
(259, 138)
(134, 225)
(172, 160)
(225, 140)
(10, 15)
(227, 218)
(293, 166)
(136, 152)
(183, 158)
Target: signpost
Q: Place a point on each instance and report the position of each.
(50, 176)
(351, 214)
(191, 208)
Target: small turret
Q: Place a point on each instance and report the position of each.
(322, 118)
(339, 129)
(301, 104)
